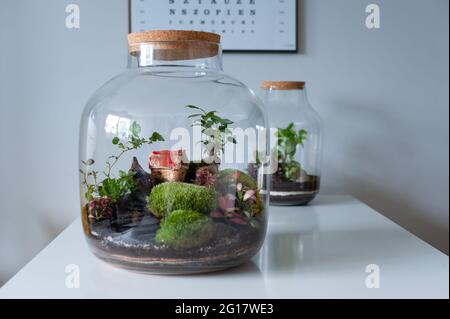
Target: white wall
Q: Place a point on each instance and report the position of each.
(382, 93)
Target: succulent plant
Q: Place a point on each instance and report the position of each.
(185, 229)
(205, 176)
(168, 197)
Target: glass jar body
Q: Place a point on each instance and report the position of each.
(154, 196)
(298, 133)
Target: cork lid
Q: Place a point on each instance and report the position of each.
(175, 44)
(282, 85)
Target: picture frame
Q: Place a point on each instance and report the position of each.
(278, 35)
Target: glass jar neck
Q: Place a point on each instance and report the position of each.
(297, 97)
(193, 55)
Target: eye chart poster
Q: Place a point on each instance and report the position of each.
(245, 25)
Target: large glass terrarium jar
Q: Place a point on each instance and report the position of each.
(297, 130)
(164, 149)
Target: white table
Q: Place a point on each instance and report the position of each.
(320, 251)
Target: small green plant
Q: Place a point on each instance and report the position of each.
(288, 140)
(171, 196)
(134, 142)
(112, 187)
(115, 188)
(185, 229)
(215, 128)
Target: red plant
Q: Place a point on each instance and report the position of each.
(100, 208)
(205, 177)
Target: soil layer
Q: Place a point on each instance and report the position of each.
(294, 193)
(136, 248)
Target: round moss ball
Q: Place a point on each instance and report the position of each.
(168, 197)
(185, 229)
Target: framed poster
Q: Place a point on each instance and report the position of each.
(245, 25)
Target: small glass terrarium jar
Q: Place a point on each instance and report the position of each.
(298, 135)
(163, 159)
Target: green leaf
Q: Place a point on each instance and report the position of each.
(215, 129)
(116, 140)
(156, 137)
(135, 142)
(303, 134)
(135, 129)
(226, 122)
(89, 193)
(211, 114)
(195, 108)
(117, 187)
(288, 140)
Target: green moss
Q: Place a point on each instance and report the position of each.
(168, 197)
(185, 229)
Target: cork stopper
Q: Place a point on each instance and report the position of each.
(282, 85)
(170, 45)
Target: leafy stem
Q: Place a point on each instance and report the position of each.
(110, 186)
(288, 140)
(215, 128)
(134, 142)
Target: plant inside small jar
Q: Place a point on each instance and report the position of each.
(288, 139)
